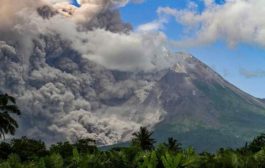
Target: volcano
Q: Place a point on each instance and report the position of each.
(201, 109)
(63, 96)
(98, 79)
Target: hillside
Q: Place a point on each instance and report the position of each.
(205, 111)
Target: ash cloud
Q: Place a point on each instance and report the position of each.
(79, 79)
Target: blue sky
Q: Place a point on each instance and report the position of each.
(242, 64)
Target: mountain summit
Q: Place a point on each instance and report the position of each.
(200, 108)
(204, 110)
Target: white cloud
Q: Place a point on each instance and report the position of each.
(151, 26)
(234, 21)
(156, 25)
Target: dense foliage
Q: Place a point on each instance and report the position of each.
(8, 107)
(29, 153)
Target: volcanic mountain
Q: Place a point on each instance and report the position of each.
(201, 108)
(99, 79)
(66, 96)
(204, 110)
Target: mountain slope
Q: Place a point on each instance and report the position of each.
(205, 111)
(262, 100)
(200, 108)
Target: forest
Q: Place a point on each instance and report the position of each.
(142, 151)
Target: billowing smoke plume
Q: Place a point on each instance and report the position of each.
(80, 75)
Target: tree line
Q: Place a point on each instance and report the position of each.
(142, 152)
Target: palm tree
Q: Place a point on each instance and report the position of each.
(258, 143)
(143, 139)
(7, 123)
(173, 145)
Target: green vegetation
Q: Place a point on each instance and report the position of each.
(233, 119)
(29, 153)
(200, 138)
(143, 139)
(142, 152)
(7, 107)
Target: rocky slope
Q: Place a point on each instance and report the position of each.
(262, 100)
(204, 110)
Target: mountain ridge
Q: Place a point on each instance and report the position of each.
(216, 100)
(202, 106)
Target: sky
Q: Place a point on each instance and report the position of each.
(233, 49)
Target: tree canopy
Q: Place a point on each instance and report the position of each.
(143, 139)
(8, 108)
